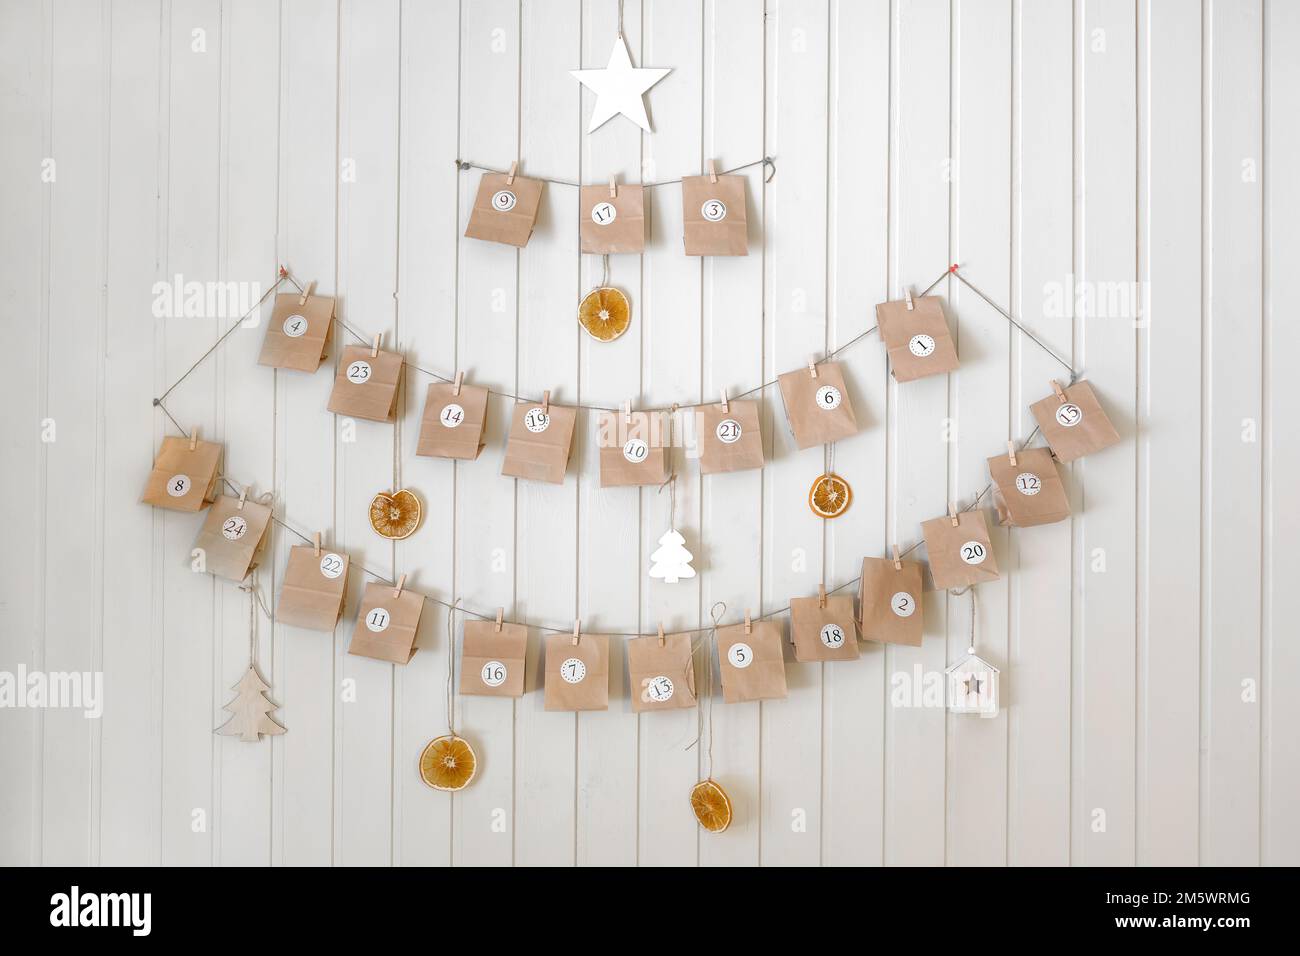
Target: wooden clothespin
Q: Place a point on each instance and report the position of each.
(898, 562)
(315, 543)
(821, 595)
(510, 176)
(460, 379)
(306, 292)
(713, 171)
(374, 346)
(1060, 392)
(546, 403)
(243, 493)
(726, 407)
(1011, 453)
(661, 635)
(397, 588)
(907, 294)
(576, 625)
(613, 186)
(749, 625)
(812, 366)
(501, 614)
(952, 513)
(627, 413)
(194, 438)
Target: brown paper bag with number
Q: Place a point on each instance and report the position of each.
(1073, 421)
(661, 677)
(299, 334)
(730, 439)
(752, 662)
(233, 537)
(889, 602)
(824, 632)
(505, 209)
(918, 341)
(365, 385)
(714, 219)
(183, 479)
(611, 223)
(1030, 491)
(314, 584)
(452, 426)
(818, 406)
(541, 437)
(631, 450)
(492, 659)
(577, 675)
(386, 623)
(959, 554)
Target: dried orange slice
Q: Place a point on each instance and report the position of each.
(448, 763)
(395, 515)
(830, 496)
(712, 806)
(605, 314)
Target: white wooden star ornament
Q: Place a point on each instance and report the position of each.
(619, 87)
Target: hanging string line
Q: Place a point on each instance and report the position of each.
(768, 164)
(1007, 315)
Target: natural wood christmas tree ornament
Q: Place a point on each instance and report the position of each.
(250, 710)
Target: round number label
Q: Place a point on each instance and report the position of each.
(603, 213)
(493, 673)
(234, 528)
(573, 670)
(902, 604)
(921, 345)
(828, 397)
(1027, 483)
(295, 326)
(178, 486)
(740, 655)
(503, 200)
(728, 431)
(536, 420)
(359, 373)
(973, 552)
(657, 689)
(452, 415)
(377, 620)
(714, 210)
(833, 635)
(1068, 414)
(331, 565)
(636, 450)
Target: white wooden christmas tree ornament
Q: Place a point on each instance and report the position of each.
(619, 87)
(250, 710)
(973, 686)
(671, 560)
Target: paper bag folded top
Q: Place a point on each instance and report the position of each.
(889, 602)
(452, 426)
(631, 452)
(661, 678)
(611, 224)
(541, 437)
(492, 661)
(298, 335)
(505, 209)
(1030, 492)
(828, 633)
(386, 623)
(818, 407)
(233, 537)
(577, 675)
(714, 219)
(752, 662)
(1074, 422)
(366, 384)
(314, 584)
(962, 554)
(183, 479)
(917, 339)
(730, 439)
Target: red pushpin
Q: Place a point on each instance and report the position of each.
(953, 267)
(284, 273)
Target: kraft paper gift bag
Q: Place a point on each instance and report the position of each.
(611, 219)
(824, 630)
(661, 677)
(386, 623)
(1073, 421)
(365, 385)
(183, 478)
(960, 553)
(233, 537)
(452, 426)
(714, 220)
(917, 339)
(1030, 489)
(505, 209)
(630, 452)
(752, 662)
(817, 405)
(730, 438)
(492, 659)
(889, 601)
(314, 584)
(299, 333)
(577, 675)
(541, 437)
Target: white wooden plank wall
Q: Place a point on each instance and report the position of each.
(1147, 645)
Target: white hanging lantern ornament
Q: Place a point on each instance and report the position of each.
(972, 681)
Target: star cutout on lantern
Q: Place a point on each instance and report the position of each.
(971, 679)
(619, 87)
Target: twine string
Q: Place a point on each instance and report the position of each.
(767, 162)
(451, 664)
